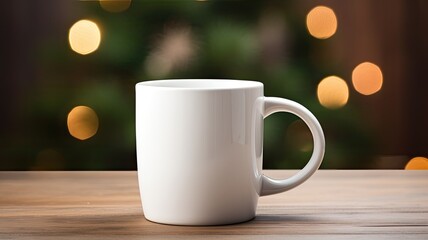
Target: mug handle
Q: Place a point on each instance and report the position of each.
(273, 105)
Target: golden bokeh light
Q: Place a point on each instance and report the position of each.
(367, 78)
(115, 6)
(49, 159)
(321, 22)
(417, 163)
(84, 37)
(333, 92)
(82, 122)
(175, 50)
(299, 136)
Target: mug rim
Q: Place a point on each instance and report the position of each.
(200, 84)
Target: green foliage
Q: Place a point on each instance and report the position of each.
(226, 41)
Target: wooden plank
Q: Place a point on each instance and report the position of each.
(346, 204)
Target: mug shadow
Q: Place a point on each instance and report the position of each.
(282, 218)
(262, 224)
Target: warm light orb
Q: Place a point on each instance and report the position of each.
(49, 159)
(84, 37)
(417, 163)
(175, 50)
(367, 78)
(115, 6)
(82, 122)
(333, 92)
(321, 22)
(299, 136)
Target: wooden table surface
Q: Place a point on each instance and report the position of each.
(333, 204)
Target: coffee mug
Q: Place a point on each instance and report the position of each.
(200, 149)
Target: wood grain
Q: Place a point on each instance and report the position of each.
(363, 204)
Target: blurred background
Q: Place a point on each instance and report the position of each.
(69, 69)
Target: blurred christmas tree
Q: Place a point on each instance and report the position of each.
(265, 41)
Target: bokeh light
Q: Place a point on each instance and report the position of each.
(115, 6)
(84, 37)
(321, 22)
(333, 92)
(49, 159)
(299, 136)
(82, 122)
(367, 78)
(417, 163)
(174, 51)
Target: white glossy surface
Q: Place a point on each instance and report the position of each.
(273, 105)
(199, 150)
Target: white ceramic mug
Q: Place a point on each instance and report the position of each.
(200, 149)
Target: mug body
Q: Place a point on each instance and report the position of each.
(199, 148)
